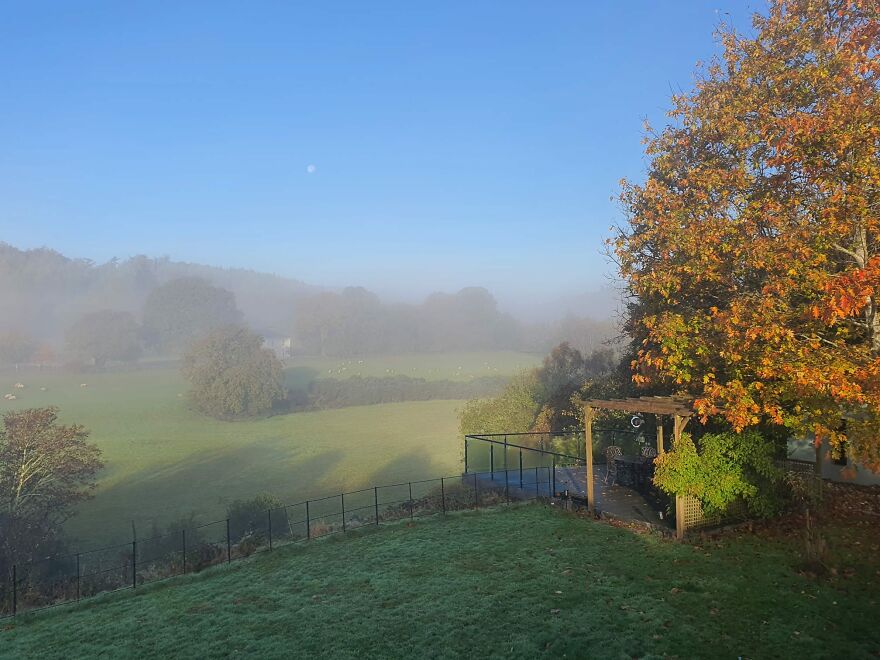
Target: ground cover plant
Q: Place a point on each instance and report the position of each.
(523, 581)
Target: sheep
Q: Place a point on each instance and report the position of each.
(44, 389)
(83, 384)
(19, 386)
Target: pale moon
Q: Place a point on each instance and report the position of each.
(311, 169)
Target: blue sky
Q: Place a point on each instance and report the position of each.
(453, 143)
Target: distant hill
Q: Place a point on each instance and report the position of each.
(42, 291)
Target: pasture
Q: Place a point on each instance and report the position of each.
(457, 366)
(164, 461)
(523, 582)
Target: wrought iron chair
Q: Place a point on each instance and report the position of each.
(648, 453)
(612, 452)
(646, 470)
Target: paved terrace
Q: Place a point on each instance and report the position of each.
(618, 501)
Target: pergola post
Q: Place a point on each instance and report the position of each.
(680, 421)
(660, 447)
(588, 455)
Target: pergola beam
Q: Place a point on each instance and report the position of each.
(648, 404)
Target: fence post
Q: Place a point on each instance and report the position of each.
(465, 454)
(492, 461)
(520, 469)
(376, 502)
(442, 495)
(134, 547)
(476, 492)
(228, 544)
(553, 486)
(183, 548)
(342, 499)
(506, 484)
(78, 575)
(308, 523)
(505, 454)
(536, 482)
(549, 485)
(269, 517)
(410, 502)
(14, 589)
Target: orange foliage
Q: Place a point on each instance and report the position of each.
(753, 247)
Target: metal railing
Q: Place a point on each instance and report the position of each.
(486, 451)
(36, 585)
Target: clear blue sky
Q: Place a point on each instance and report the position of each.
(454, 143)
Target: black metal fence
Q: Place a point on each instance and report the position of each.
(503, 459)
(491, 452)
(51, 581)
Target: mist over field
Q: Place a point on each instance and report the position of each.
(43, 294)
(462, 329)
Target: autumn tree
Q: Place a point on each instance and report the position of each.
(46, 469)
(184, 310)
(231, 375)
(752, 250)
(105, 335)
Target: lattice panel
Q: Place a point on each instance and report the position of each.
(692, 516)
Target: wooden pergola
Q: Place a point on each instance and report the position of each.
(680, 409)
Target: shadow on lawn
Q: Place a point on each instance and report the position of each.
(202, 484)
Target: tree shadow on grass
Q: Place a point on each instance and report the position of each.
(203, 485)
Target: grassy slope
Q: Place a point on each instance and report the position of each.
(164, 461)
(523, 582)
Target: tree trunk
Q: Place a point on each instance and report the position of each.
(872, 316)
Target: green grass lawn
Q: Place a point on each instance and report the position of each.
(523, 582)
(430, 366)
(164, 461)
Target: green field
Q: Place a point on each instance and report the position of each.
(164, 461)
(430, 366)
(525, 582)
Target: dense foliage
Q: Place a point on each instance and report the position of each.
(753, 248)
(544, 399)
(726, 468)
(46, 469)
(104, 336)
(231, 375)
(186, 309)
(249, 517)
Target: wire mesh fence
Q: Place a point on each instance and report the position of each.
(59, 579)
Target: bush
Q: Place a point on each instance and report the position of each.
(729, 467)
(232, 375)
(248, 519)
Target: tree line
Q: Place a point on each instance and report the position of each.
(65, 310)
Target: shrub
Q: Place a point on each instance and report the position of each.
(248, 518)
(729, 467)
(232, 375)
